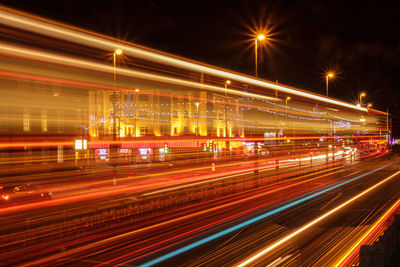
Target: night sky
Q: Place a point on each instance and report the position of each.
(358, 40)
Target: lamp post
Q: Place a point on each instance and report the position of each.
(329, 75)
(361, 96)
(197, 127)
(117, 52)
(136, 91)
(369, 106)
(259, 37)
(227, 82)
(287, 98)
(113, 152)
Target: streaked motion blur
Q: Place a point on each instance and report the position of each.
(112, 153)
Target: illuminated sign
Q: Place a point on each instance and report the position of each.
(102, 151)
(123, 150)
(144, 151)
(80, 144)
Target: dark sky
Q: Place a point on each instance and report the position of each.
(359, 40)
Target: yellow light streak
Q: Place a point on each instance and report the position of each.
(339, 263)
(80, 37)
(74, 62)
(191, 215)
(308, 225)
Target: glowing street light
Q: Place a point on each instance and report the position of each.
(369, 106)
(113, 153)
(328, 75)
(259, 37)
(117, 52)
(197, 127)
(361, 96)
(136, 91)
(288, 98)
(227, 82)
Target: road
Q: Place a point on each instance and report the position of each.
(236, 225)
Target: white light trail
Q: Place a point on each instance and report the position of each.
(308, 225)
(65, 32)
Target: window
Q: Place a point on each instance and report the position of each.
(44, 120)
(144, 130)
(175, 114)
(175, 131)
(143, 97)
(26, 121)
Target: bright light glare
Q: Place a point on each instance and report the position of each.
(330, 75)
(261, 37)
(118, 51)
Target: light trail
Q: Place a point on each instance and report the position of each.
(261, 169)
(313, 222)
(371, 231)
(10, 17)
(255, 219)
(79, 63)
(176, 220)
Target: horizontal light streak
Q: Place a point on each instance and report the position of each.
(254, 220)
(80, 37)
(191, 215)
(308, 225)
(80, 63)
(119, 88)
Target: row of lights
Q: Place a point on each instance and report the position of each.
(261, 37)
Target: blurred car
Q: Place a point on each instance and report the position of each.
(24, 193)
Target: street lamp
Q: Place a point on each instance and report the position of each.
(117, 52)
(113, 153)
(287, 98)
(369, 106)
(227, 82)
(329, 75)
(361, 96)
(197, 127)
(259, 37)
(136, 91)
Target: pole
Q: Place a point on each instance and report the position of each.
(135, 113)
(113, 151)
(387, 124)
(197, 128)
(226, 117)
(255, 52)
(114, 97)
(327, 81)
(197, 133)
(226, 120)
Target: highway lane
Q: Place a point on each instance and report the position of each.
(322, 244)
(46, 220)
(144, 245)
(188, 212)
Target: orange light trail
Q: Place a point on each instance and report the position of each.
(131, 233)
(80, 37)
(313, 222)
(350, 254)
